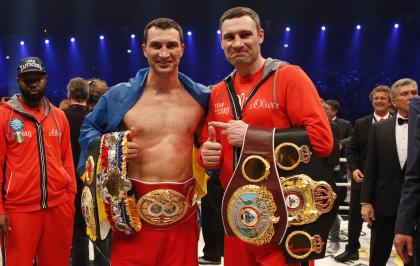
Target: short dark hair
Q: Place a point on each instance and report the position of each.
(164, 24)
(335, 105)
(78, 89)
(238, 12)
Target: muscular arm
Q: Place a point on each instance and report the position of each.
(303, 106)
(94, 125)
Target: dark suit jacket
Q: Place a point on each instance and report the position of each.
(346, 130)
(409, 210)
(383, 174)
(357, 147)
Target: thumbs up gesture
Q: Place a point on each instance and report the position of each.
(132, 147)
(211, 150)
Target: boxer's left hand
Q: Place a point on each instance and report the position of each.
(234, 131)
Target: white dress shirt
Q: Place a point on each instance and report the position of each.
(401, 136)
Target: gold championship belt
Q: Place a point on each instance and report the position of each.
(306, 199)
(165, 205)
(114, 186)
(253, 207)
(309, 195)
(162, 207)
(92, 207)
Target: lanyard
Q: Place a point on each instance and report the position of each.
(236, 107)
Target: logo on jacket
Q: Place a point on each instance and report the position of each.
(16, 125)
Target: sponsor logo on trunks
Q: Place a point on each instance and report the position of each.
(263, 104)
(221, 109)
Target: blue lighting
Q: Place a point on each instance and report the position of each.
(219, 32)
(133, 36)
(72, 39)
(22, 43)
(189, 33)
(396, 25)
(285, 45)
(323, 28)
(47, 41)
(358, 27)
(287, 29)
(101, 37)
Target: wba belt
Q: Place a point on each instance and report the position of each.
(309, 193)
(253, 205)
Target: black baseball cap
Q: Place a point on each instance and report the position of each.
(31, 64)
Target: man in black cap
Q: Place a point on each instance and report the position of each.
(36, 174)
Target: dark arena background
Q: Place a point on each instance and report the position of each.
(364, 42)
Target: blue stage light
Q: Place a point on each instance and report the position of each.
(189, 33)
(285, 45)
(323, 28)
(133, 36)
(7, 57)
(128, 51)
(396, 25)
(22, 43)
(358, 27)
(287, 29)
(47, 41)
(72, 39)
(101, 37)
(219, 32)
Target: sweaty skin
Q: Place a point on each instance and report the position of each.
(166, 121)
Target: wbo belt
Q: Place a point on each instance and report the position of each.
(164, 205)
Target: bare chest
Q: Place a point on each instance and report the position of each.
(157, 114)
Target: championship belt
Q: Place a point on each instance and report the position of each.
(114, 186)
(165, 205)
(253, 207)
(92, 207)
(309, 193)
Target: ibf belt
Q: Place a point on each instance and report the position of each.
(165, 205)
(253, 205)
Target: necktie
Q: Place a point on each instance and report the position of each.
(402, 121)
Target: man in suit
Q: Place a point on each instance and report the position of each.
(332, 107)
(78, 93)
(384, 172)
(408, 217)
(356, 157)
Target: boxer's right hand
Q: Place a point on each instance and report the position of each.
(211, 150)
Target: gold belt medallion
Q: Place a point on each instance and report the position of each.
(88, 210)
(162, 207)
(250, 213)
(306, 199)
